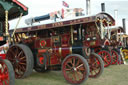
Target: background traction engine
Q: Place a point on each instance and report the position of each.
(95, 37)
(115, 43)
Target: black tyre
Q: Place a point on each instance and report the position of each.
(75, 69)
(22, 60)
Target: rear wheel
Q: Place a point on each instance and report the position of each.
(105, 55)
(96, 65)
(7, 76)
(75, 69)
(21, 58)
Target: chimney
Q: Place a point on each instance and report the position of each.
(124, 26)
(103, 7)
(116, 16)
(88, 8)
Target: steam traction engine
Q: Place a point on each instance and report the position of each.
(58, 45)
(115, 42)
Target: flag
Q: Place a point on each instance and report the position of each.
(65, 4)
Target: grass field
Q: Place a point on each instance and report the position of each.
(113, 75)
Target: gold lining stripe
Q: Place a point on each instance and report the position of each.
(60, 51)
(70, 50)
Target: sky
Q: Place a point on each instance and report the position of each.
(42, 7)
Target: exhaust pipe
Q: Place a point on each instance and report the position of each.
(124, 24)
(103, 7)
(116, 16)
(88, 7)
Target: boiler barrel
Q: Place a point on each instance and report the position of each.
(41, 18)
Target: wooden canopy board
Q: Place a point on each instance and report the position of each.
(117, 28)
(88, 19)
(13, 7)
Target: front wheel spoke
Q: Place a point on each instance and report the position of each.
(95, 71)
(68, 66)
(19, 54)
(74, 76)
(68, 69)
(74, 62)
(23, 58)
(79, 75)
(78, 62)
(22, 63)
(91, 72)
(93, 64)
(70, 61)
(79, 66)
(23, 67)
(106, 61)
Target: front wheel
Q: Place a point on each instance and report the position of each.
(115, 56)
(75, 69)
(96, 65)
(106, 56)
(7, 76)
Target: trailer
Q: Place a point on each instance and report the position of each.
(9, 9)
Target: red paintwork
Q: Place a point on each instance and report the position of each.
(42, 50)
(4, 74)
(65, 40)
(91, 29)
(41, 60)
(2, 56)
(65, 51)
(1, 39)
(55, 57)
(20, 4)
(107, 43)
